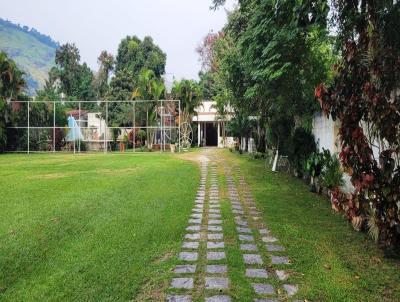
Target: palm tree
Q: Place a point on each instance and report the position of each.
(189, 92)
(221, 106)
(11, 86)
(240, 126)
(144, 91)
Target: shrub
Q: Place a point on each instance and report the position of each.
(301, 147)
(331, 174)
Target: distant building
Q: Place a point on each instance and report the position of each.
(210, 126)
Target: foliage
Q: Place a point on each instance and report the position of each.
(106, 63)
(76, 79)
(135, 55)
(331, 175)
(302, 145)
(139, 65)
(11, 86)
(240, 126)
(365, 98)
(189, 92)
(273, 55)
(317, 162)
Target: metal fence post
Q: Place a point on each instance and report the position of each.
(28, 127)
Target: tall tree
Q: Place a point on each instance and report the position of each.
(106, 63)
(76, 78)
(135, 55)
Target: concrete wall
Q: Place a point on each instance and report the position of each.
(325, 131)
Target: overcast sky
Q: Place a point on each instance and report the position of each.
(177, 26)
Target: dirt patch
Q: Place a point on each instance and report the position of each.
(49, 176)
(116, 171)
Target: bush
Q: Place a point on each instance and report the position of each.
(258, 155)
(301, 147)
(331, 174)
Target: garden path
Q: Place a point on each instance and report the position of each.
(206, 272)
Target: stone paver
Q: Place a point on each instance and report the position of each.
(190, 245)
(280, 260)
(263, 289)
(182, 283)
(269, 239)
(252, 259)
(216, 236)
(194, 221)
(185, 269)
(215, 245)
(188, 256)
(179, 298)
(194, 228)
(215, 255)
(282, 275)
(218, 299)
(274, 248)
(192, 236)
(216, 269)
(248, 247)
(214, 228)
(246, 238)
(256, 273)
(243, 230)
(216, 283)
(291, 290)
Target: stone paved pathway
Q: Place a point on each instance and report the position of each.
(203, 274)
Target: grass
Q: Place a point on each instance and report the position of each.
(100, 227)
(332, 262)
(91, 227)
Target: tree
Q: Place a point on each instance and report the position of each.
(76, 79)
(364, 97)
(271, 61)
(137, 62)
(221, 106)
(240, 126)
(12, 84)
(106, 63)
(136, 55)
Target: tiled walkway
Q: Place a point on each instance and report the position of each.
(203, 272)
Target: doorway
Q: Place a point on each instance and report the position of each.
(211, 135)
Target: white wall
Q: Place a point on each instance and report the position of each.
(324, 132)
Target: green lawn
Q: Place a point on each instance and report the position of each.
(332, 262)
(97, 227)
(91, 227)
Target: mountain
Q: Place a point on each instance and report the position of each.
(32, 51)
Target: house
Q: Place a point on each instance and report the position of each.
(210, 126)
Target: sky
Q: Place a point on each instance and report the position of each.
(177, 26)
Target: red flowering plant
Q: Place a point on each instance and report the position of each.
(365, 98)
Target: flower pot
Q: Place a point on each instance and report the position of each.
(172, 147)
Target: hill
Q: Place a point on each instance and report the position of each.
(32, 51)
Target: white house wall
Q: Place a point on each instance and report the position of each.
(324, 132)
